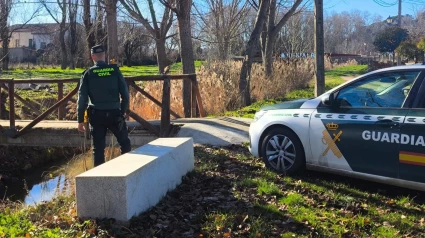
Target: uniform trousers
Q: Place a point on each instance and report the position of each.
(102, 120)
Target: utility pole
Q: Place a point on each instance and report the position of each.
(319, 48)
(399, 25)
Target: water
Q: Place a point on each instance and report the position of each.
(35, 186)
(46, 191)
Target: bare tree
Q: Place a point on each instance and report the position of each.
(88, 25)
(350, 32)
(5, 8)
(182, 8)
(273, 29)
(297, 37)
(61, 6)
(99, 29)
(157, 31)
(172, 45)
(244, 85)
(415, 27)
(132, 37)
(73, 8)
(6, 32)
(222, 22)
(112, 29)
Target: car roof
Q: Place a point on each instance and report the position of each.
(412, 66)
(387, 69)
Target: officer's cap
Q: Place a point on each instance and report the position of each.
(97, 49)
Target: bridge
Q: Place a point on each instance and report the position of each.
(60, 132)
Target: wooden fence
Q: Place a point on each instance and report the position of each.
(196, 101)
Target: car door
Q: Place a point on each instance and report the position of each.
(361, 130)
(412, 147)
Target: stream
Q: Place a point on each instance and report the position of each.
(37, 185)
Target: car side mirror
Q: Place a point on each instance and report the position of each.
(328, 100)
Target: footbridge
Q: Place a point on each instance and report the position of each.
(60, 132)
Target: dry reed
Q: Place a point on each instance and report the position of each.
(219, 85)
(219, 82)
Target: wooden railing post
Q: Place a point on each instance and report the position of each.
(165, 110)
(198, 97)
(61, 111)
(144, 93)
(193, 97)
(12, 104)
(148, 126)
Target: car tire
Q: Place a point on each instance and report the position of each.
(291, 153)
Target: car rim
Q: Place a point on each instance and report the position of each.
(280, 152)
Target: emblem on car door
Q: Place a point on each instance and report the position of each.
(331, 143)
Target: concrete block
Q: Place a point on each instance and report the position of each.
(132, 183)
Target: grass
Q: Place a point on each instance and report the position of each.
(231, 194)
(58, 73)
(333, 78)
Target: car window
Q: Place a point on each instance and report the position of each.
(383, 90)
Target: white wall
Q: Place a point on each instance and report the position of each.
(39, 38)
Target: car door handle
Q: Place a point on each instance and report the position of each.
(387, 123)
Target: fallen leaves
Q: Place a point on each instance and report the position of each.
(221, 199)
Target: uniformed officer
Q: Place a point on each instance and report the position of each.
(103, 84)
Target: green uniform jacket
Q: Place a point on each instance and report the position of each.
(102, 84)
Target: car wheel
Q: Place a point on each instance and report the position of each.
(282, 151)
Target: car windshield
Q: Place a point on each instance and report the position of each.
(385, 90)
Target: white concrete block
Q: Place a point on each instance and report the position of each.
(132, 183)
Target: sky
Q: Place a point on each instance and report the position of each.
(384, 8)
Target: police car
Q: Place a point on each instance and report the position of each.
(372, 127)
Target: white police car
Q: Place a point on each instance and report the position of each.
(372, 127)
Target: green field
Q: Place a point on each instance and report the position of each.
(57, 73)
(333, 78)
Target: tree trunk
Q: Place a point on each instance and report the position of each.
(5, 55)
(244, 85)
(271, 35)
(268, 57)
(5, 8)
(111, 20)
(393, 57)
(186, 51)
(226, 49)
(62, 32)
(161, 54)
(273, 31)
(73, 8)
(99, 29)
(63, 46)
(319, 49)
(263, 40)
(72, 61)
(129, 56)
(88, 25)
